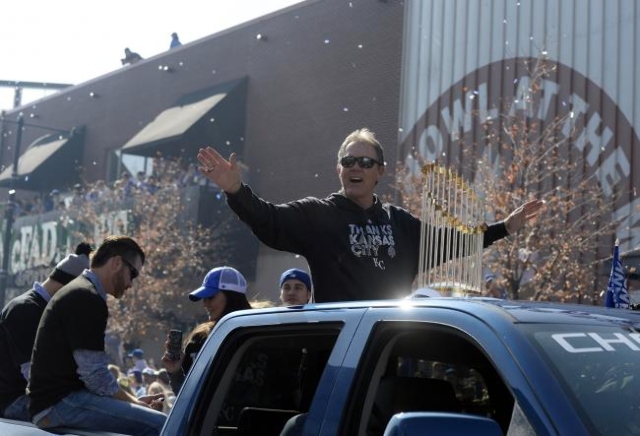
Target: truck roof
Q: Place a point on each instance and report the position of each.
(517, 311)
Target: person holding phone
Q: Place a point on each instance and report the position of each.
(223, 291)
(357, 247)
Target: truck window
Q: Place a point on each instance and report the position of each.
(424, 367)
(270, 374)
(599, 369)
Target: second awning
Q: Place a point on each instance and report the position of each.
(201, 118)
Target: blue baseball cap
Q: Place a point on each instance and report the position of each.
(296, 274)
(222, 278)
(137, 353)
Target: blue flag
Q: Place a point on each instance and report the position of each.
(617, 292)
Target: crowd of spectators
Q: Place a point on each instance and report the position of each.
(107, 196)
(142, 378)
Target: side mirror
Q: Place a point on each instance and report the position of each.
(440, 424)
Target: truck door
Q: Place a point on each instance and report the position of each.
(260, 371)
(423, 359)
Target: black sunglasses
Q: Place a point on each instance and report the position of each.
(132, 269)
(363, 161)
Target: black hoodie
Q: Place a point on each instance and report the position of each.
(353, 253)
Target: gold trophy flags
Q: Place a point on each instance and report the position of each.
(451, 235)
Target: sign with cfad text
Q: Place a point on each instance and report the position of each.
(38, 242)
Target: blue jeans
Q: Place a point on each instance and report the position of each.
(19, 409)
(82, 409)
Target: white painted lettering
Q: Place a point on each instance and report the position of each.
(484, 113)
(589, 135)
(460, 120)
(26, 233)
(567, 342)
(34, 249)
(522, 100)
(578, 109)
(614, 169)
(605, 343)
(431, 144)
(15, 254)
(414, 168)
(549, 89)
(562, 340)
(49, 240)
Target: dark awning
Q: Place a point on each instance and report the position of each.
(196, 119)
(50, 161)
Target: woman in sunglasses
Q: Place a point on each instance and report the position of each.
(357, 247)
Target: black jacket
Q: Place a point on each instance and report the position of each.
(18, 326)
(353, 253)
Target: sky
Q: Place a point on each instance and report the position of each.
(73, 41)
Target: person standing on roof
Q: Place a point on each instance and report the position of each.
(175, 41)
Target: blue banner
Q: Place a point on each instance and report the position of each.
(617, 292)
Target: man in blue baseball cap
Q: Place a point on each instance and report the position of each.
(139, 361)
(295, 287)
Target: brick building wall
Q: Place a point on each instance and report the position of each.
(325, 68)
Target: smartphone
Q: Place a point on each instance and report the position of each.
(175, 344)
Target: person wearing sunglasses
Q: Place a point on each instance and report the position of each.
(70, 383)
(357, 247)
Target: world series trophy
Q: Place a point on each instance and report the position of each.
(452, 234)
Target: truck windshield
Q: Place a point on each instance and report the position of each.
(599, 368)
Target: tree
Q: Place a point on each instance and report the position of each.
(179, 251)
(518, 156)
